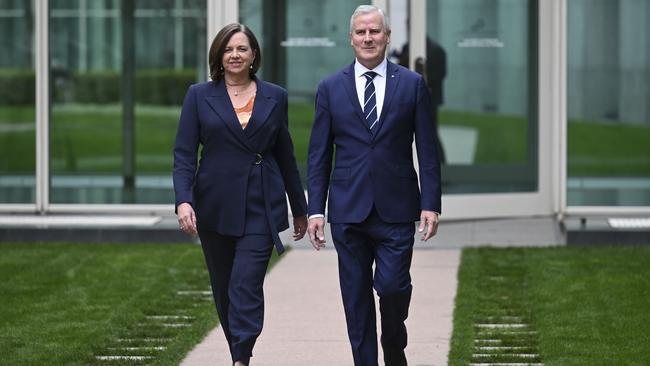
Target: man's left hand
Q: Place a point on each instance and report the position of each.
(428, 224)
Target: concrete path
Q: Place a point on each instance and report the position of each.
(304, 321)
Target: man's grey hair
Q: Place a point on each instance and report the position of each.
(367, 9)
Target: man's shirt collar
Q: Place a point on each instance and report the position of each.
(380, 69)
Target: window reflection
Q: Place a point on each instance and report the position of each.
(115, 107)
(480, 66)
(608, 78)
(17, 103)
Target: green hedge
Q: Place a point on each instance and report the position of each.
(157, 87)
(17, 87)
(163, 87)
(91, 87)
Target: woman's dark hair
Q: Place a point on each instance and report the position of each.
(218, 47)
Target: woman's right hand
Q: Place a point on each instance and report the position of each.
(186, 218)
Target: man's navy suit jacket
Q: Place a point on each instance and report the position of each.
(218, 189)
(373, 168)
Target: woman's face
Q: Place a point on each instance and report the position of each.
(238, 55)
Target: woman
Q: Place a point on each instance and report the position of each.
(235, 201)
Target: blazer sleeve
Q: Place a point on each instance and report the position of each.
(186, 149)
(283, 151)
(319, 160)
(425, 145)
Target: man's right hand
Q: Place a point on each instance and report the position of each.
(316, 232)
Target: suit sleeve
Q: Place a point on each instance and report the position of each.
(319, 160)
(286, 159)
(426, 147)
(185, 149)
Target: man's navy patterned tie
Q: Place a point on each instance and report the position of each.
(370, 100)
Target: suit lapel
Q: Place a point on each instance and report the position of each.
(350, 85)
(262, 108)
(392, 81)
(220, 103)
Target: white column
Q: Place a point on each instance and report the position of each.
(220, 13)
(382, 4)
(42, 106)
(417, 31)
(552, 103)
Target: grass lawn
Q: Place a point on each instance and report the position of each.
(64, 304)
(501, 139)
(86, 139)
(588, 306)
(608, 149)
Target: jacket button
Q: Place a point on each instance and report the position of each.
(258, 159)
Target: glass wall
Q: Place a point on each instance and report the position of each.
(481, 70)
(302, 43)
(608, 85)
(17, 102)
(119, 72)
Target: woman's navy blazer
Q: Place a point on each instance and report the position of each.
(230, 155)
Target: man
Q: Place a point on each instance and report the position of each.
(368, 113)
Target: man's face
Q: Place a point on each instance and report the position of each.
(369, 39)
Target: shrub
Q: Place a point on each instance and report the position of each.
(163, 87)
(152, 86)
(96, 87)
(17, 87)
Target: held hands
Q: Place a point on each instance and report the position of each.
(299, 227)
(428, 221)
(186, 218)
(316, 231)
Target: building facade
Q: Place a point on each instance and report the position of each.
(543, 106)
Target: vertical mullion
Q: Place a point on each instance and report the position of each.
(552, 102)
(42, 105)
(220, 13)
(562, 18)
(382, 4)
(417, 33)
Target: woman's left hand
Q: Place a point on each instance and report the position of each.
(299, 227)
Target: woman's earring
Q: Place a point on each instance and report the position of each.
(221, 68)
(251, 67)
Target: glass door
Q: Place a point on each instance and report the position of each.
(302, 43)
(480, 60)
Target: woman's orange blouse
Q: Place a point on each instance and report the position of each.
(244, 113)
